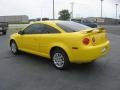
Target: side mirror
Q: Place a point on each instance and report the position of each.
(20, 32)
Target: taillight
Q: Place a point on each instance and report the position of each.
(86, 41)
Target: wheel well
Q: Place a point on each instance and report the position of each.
(53, 48)
(11, 41)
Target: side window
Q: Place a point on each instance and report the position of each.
(34, 29)
(49, 29)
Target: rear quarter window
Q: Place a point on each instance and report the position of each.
(69, 26)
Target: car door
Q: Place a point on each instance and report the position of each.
(47, 38)
(30, 38)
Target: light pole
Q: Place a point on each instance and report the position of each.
(53, 10)
(101, 7)
(72, 8)
(116, 10)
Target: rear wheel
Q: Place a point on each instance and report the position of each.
(60, 59)
(14, 47)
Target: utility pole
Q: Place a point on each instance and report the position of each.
(116, 11)
(72, 8)
(53, 10)
(101, 7)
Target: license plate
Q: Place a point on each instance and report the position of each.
(103, 49)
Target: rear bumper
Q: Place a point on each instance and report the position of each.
(88, 54)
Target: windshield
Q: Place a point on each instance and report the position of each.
(70, 26)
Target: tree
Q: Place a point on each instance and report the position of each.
(64, 15)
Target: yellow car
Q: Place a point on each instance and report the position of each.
(63, 42)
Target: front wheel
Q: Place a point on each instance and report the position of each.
(60, 59)
(14, 47)
(4, 33)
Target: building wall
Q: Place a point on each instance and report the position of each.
(14, 19)
(105, 21)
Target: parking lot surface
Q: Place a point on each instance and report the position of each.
(30, 72)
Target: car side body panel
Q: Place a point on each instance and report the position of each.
(71, 43)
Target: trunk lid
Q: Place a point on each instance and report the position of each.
(96, 36)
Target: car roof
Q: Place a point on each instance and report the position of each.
(47, 22)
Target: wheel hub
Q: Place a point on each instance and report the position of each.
(58, 59)
(13, 48)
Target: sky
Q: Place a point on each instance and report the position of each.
(43, 8)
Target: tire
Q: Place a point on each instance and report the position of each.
(4, 33)
(60, 59)
(14, 48)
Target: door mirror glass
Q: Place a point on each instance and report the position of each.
(20, 32)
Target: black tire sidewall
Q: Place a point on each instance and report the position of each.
(4, 33)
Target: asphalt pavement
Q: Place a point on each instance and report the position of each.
(30, 72)
(114, 29)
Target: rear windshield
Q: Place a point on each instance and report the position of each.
(70, 26)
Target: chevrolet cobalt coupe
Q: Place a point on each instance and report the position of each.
(63, 42)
